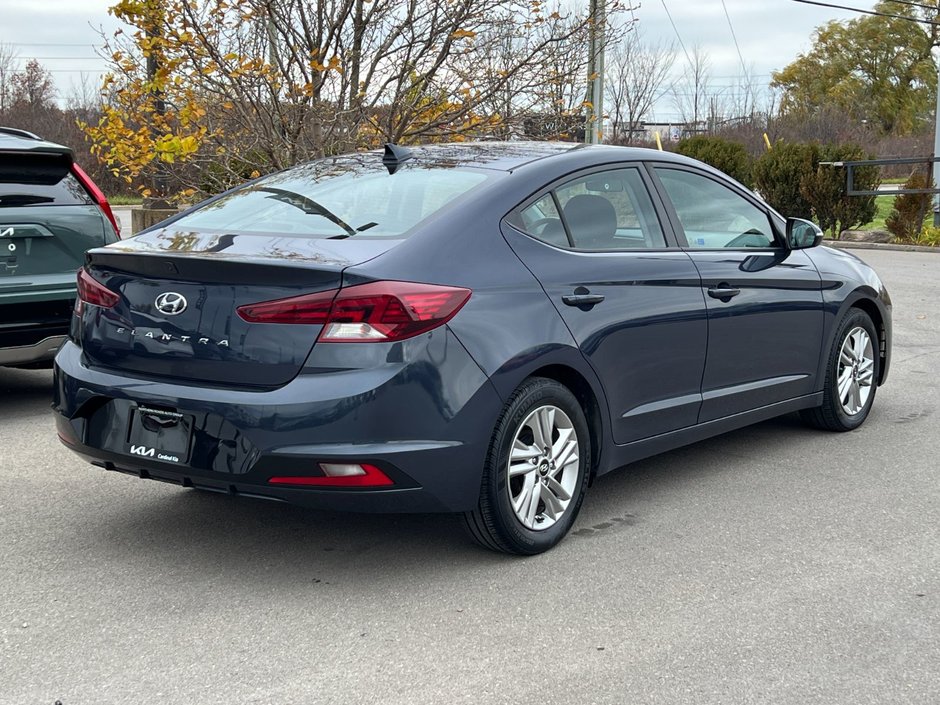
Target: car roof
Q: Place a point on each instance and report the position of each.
(509, 156)
(14, 140)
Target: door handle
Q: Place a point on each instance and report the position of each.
(723, 292)
(582, 299)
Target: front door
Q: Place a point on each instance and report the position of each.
(765, 309)
(633, 304)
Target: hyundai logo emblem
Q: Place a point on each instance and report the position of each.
(171, 303)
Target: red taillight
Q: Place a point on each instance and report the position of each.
(310, 309)
(339, 475)
(377, 312)
(97, 196)
(91, 291)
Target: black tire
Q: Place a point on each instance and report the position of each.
(830, 415)
(494, 524)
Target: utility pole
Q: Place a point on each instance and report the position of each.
(936, 164)
(154, 28)
(594, 126)
(156, 207)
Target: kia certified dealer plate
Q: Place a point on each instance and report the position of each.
(160, 434)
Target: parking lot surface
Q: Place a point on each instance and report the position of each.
(772, 565)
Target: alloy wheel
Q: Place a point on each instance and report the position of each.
(856, 371)
(543, 468)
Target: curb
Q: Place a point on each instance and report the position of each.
(849, 245)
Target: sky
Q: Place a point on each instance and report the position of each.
(63, 35)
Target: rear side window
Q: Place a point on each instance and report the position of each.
(542, 220)
(337, 199)
(609, 210)
(29, 180)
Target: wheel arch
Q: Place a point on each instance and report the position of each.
(866, 301)
(586, 396)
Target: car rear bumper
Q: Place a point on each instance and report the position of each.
(416, 499)
(426, 427)
(33, 329)
(42, 351)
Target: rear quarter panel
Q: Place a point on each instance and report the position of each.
(509, 326)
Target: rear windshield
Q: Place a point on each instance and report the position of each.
(30, 180)
(337, 199)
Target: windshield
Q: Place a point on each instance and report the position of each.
(337, 199)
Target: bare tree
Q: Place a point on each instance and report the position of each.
(31, 100)
(257, 85)
(692, 94)
(544, 100)
(637, 77)
(742, 98)
(8, 66)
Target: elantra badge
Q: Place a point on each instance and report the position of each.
(170, 303)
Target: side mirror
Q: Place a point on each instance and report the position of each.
(802, 234)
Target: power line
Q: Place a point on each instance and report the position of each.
(916, 4)
(676, 30)
(737, 46)
(868, 12)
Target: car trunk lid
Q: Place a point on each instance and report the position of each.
(177, 298)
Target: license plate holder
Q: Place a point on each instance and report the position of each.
(159, 434)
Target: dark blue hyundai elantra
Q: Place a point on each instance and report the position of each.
(474, 328)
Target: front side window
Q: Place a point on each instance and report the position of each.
(610, 210)
(337, 198)
(712, 215)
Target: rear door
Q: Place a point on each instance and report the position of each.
(633, 303)
(764, 302)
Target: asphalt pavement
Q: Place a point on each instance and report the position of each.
(776, 564)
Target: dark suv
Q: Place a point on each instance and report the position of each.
(50, 214)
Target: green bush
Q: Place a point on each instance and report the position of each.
(729, 157)
(779, 174)
(906, 221)
(825, 189)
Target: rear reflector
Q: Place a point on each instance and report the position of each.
(91, 291)
(97, 196)
(385, 311)
(339, 475)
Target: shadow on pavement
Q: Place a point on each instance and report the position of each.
(711, 457)
(24, 390)
(177, 530)
(257, 542)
